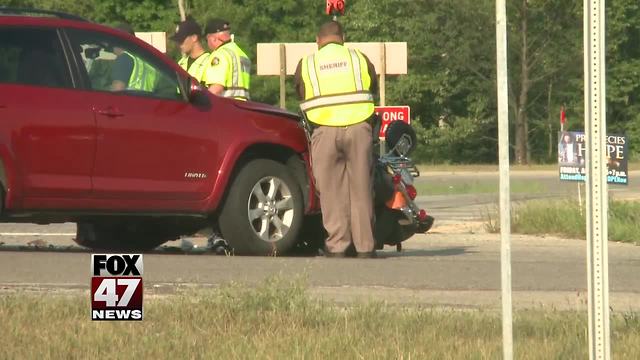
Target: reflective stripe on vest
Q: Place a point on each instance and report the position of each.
(342, 99)
(311, 65)
(337, 82)
(357, 74)
(143, 76)
(237, 82)
(236, 93)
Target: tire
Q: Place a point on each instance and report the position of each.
(1, 200)
(387, 231)
(119, 236)
(263, 211)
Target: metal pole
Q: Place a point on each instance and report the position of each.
(382, 87)
(181, 9)
(597, 196)
(505, 201)
(283, 74)
(383, 74)
(580, 197)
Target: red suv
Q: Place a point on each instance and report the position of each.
(138, 167)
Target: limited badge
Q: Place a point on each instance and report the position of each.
(215, 61)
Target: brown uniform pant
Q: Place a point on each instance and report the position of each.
(342, 162)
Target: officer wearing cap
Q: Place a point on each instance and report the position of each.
(230, 68)
(195, 59)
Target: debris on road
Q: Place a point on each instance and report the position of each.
(38, 243)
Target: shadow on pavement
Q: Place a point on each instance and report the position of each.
(170, 250)
(452, 251)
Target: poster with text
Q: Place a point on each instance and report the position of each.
(572, 157)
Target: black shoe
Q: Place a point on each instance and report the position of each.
(367, 255)
(335, 255)
(328, 254)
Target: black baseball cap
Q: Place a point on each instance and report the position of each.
(186, 28)
(216, 25)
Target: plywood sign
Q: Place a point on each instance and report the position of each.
(269, 56)
(157, 39)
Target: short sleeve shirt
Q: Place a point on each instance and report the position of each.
(122, 68)
(219, 68)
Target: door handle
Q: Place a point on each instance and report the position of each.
(2, 106)
(110, 112)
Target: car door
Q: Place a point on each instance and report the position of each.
(152, 144)
(46, 125)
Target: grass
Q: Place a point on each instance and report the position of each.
(633, 165)
(485, 186)
(279, 321)
(483, 167)
(566, 218)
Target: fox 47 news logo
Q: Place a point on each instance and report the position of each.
(116, 287)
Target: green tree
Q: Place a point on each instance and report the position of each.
(450, 84)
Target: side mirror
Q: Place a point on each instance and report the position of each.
(400, 138)
(194, 89)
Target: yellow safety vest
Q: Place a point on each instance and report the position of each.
(143, 76)
(336, 82)
(198, 68)
(237, 81)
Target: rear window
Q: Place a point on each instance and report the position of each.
(32, 57)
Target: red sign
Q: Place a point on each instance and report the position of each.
(392, 113)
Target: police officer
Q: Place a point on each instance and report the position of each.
(195, 59)
(130, 72)
(230, 68)
(336, 85)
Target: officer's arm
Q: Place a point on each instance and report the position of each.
(118, 86)
(216, 89)
(298, 81)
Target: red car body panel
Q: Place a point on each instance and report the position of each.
(43, 133)
(84, 150)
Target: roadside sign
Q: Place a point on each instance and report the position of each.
(392, 113)
(269, 61)
(572, 157)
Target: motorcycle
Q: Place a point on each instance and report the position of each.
(397, 216)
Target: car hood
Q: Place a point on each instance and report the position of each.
(264, 108)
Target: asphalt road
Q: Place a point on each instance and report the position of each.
(455, 265)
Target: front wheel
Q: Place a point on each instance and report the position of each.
(263, 212)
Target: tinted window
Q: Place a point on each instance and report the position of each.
(116, 65)
(32, 57)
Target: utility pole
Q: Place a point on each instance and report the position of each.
(183, 14)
